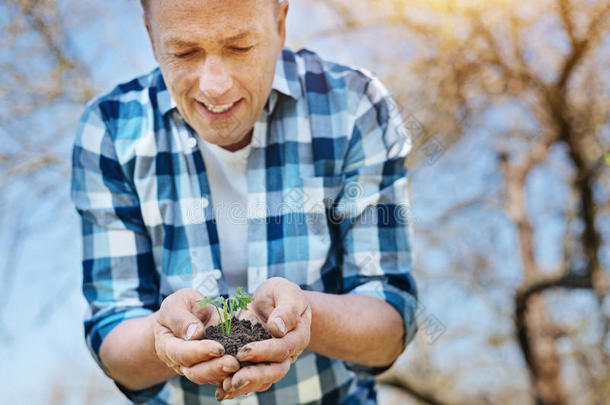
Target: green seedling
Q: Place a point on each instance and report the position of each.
(226, 307)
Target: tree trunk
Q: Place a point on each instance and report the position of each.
(546, 364)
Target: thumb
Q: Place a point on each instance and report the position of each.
(285, 315)
(181, 314)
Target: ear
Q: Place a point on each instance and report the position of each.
(281, 20)
(150, 35)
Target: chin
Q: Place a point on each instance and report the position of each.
(220, 140)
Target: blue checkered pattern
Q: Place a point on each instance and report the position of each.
(327, 210)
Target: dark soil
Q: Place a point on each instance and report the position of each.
(242, 333)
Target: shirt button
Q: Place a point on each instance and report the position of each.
(192, 142)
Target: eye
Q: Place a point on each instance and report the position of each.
(184, 54)
(242, 50)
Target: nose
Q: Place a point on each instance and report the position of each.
(215, 79)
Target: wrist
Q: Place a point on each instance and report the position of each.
(315, 300)
(310, 299)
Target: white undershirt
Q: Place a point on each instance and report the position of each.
(227, 176)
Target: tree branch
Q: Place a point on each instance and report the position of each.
(565, 12)
(582, 45)
(422, 396)
(571, 281)
(522, 73)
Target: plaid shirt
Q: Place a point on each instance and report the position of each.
(327, 204)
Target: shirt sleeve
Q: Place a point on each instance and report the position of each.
(119, 276)
(372, 212)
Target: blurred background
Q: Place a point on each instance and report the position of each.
(508, 104)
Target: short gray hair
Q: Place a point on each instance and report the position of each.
(144, 4)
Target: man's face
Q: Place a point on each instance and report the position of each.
(218, 60)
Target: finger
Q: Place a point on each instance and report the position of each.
(261, 388)
(213, 371)
(257, 378)
(227, 384)
(220, 394)
(265, 387)
(175, 351)
(278, 350)
(227, 387)
(290, 305)
(181, 314)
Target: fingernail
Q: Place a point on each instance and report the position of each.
(228, 369)
(241, 384)
(190, 331)
(244, 350)
(280, 325)
(218, 396)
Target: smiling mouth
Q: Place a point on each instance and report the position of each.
(219, 110)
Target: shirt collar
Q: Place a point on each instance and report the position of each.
(165, 101)
(285, 81)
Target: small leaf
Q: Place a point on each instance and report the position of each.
(234, 302)
(243, 298)
(205, 301)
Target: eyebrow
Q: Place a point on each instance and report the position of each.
(240, 35)
(183, 43)
(179, 42)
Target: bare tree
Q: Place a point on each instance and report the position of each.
(45, 82)
(43, 86)
(544, 60)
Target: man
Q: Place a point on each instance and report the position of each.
(312, 154)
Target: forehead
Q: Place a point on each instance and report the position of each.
(209, 14)
(192, 21)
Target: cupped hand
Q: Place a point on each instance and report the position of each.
(179, 327)
(281, 306)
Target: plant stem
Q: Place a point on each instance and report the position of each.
(230, 316)
(226, 318)
(220, 317)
